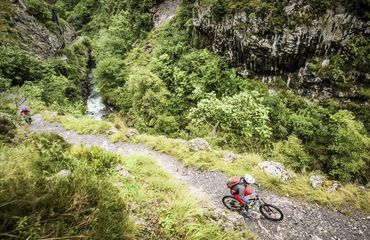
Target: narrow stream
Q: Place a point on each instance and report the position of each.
(95, 105)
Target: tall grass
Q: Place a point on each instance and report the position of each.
(82, 125)
(40, 204)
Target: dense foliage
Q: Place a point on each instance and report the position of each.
(165, 85)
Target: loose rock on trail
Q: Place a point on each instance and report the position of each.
(302, 220)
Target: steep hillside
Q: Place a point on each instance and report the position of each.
(35, 26)
(223, 86)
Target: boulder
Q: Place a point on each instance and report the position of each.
(325, 63)
(112, 131)
(199, 144)
(275, 169)
(64, 173)
(131, 133)
(317, 181)
(230, 157)
(120, 170)
(118, 184)
(334, 187)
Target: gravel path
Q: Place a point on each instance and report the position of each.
(302, 221)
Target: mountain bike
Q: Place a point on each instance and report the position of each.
(27, 119)
(269, 211)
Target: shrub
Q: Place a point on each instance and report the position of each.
(4, 84)
(39, 10)
(145, 98)
(292, 152)
(349, 148)
(7, 128)
(166, 124)
(243, 115)
(20, 66)
(51, 150)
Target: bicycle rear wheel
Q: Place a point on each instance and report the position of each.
(231, 203)
(271, 212)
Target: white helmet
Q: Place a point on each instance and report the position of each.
(249, 179)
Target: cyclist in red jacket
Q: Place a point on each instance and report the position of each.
(26, 113)
(241, 191)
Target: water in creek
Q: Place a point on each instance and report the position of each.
(95, 105)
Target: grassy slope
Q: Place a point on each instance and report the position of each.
(148, 205)
(163, 203)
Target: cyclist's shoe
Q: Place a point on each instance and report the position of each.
(246, 214)
(249, 206)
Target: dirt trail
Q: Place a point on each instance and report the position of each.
(302, 221)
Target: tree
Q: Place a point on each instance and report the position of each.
(242, 115)
(350, 148)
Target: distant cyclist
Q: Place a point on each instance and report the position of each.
(26, 113)
(239, 188)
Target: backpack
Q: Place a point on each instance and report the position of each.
(232, 182)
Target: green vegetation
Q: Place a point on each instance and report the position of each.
(82, 125)
(41, 204)
(39, 9)
(162, 82)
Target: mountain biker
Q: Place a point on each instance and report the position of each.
(241, 191)
(25, 112)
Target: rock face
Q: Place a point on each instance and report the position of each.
(164, 12)
(199, 144)
(275, 169)
(260, 45)
(33, 35)
(230, 157)
(317, 181)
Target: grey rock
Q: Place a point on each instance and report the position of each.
(35, 36)
(164, 12)
(112, 131)
(118, 184)
(325, 63)
(132, 133)
(120, 170)
(64, 173)
(255, 47)
(199, 144)
(230, 157)
(334, 187)
(314, 237)
(317, 181)
(275, 169)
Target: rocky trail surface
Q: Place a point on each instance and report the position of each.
(302, 221)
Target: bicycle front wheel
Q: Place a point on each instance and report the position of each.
(231, 203)
(271, 212)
